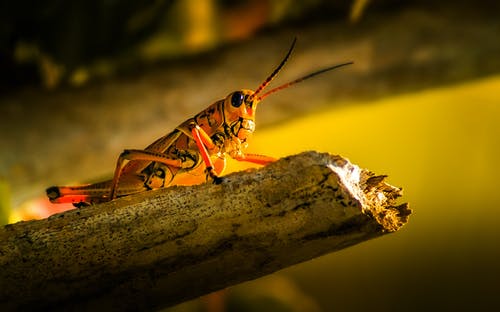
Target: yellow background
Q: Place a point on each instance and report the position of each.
(442, 146)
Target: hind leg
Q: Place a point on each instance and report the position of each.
(142, 155)
(84, 195)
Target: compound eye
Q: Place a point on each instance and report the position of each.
(237, 99)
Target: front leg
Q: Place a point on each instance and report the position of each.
(203, 141)
(255, 158)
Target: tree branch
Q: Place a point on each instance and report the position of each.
(163, 247)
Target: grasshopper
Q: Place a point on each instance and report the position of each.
(192, 153)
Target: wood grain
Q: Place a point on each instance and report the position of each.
(163, 247)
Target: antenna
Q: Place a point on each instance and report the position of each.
(276, 71)
(286, 85)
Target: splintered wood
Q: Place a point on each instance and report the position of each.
(160, 248)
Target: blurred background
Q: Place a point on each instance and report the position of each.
(82, 80)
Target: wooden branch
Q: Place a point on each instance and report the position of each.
(163, 247)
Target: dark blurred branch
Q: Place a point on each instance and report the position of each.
(395, 50)
(161, 248)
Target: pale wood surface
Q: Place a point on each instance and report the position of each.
(160, 248)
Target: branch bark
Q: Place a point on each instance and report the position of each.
(163, 247)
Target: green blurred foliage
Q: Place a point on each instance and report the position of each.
(4, 202)
(48, 40)
(55, 43)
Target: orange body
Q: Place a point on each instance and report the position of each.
(191, 154)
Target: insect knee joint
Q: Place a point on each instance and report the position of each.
(125, 154)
